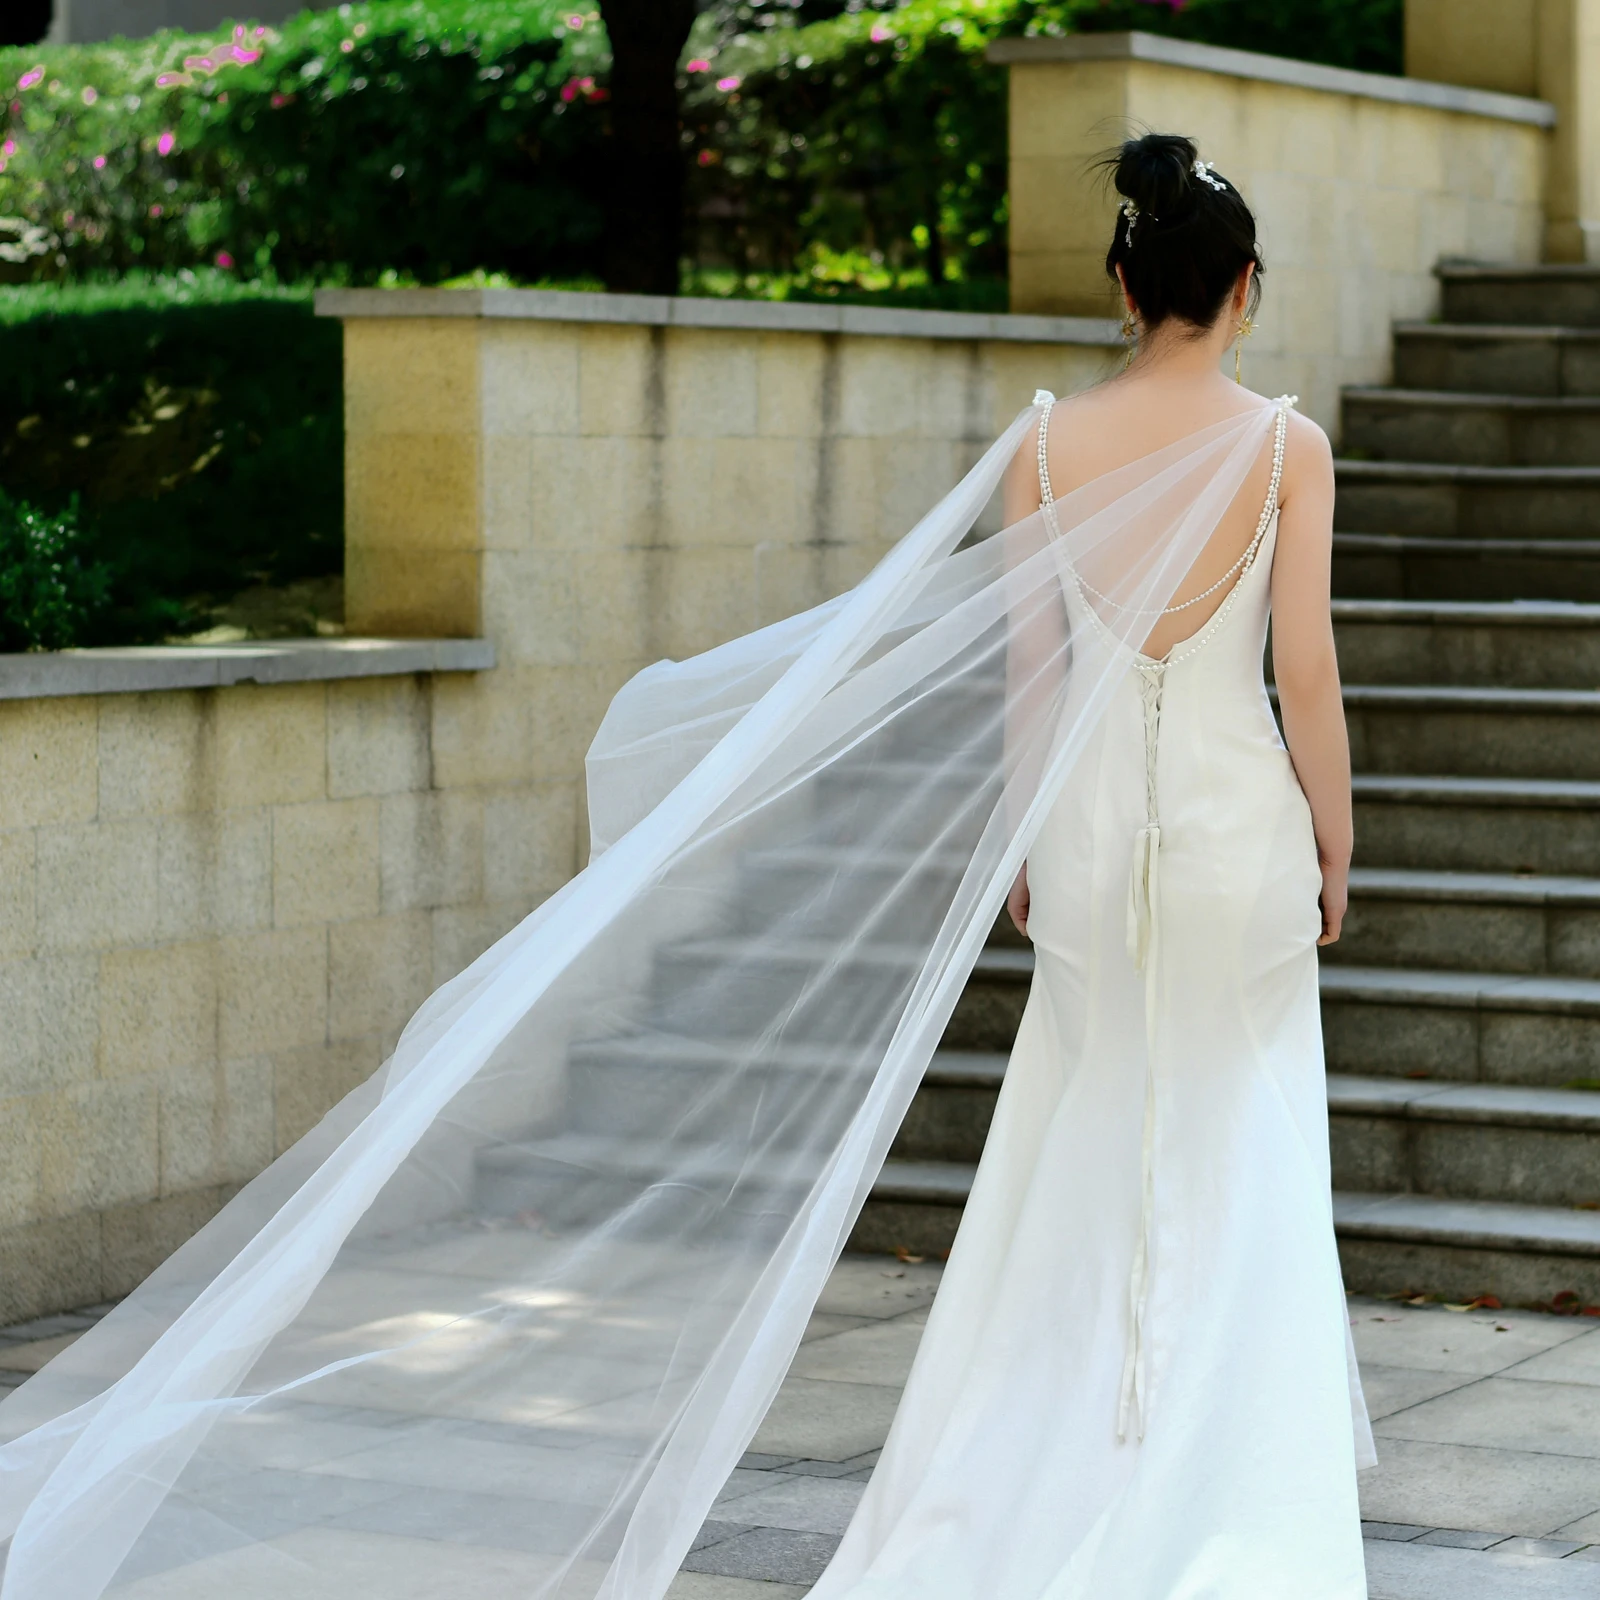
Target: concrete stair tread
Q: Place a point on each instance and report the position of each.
(1441, 789)
(1439, 1100)
(1489, 991)
(1471, 697)
(1467, 1224)
(857, 857)
(1352, 470)
(1471, 399)
(1493, 613)
(1480, 888)
(1517, 272)
(1400, 544)
(1489, 332)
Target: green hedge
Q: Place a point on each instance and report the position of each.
(425, 136)
(197, 423)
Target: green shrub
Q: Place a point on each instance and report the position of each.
(427, 136)
(880, 133)
(197, 421)
(51, 592)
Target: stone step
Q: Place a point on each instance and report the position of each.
(1521, 1254)
(1476, 1141)
(1528, 644)
(1444, 500)
(1443, 425)
(840, 888)
(1397, 567)
(1474, 730)
(1539, 1029)
(1471, 922)
(1556, 295)
(1497, 358)
(1388, 1243)
(1515, 825)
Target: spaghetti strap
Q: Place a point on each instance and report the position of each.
(1046, 402)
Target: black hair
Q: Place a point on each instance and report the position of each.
(1187, 236)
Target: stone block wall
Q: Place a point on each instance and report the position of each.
(1360, 184)
(218, 906)
(595, 482)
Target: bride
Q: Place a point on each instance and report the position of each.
(503, 1323)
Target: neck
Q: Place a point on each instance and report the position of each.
(1175, 350)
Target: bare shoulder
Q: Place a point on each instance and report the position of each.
(1307, 455)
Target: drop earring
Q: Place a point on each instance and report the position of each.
(1129, 330)
(1246, 328)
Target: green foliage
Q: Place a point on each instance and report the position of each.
(427, 136)
(197, 420)
(879, 133)
(51, 592)
(1363, 34)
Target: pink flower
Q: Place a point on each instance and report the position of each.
(34, 75)
(575, 22)
(698, 65)
(573, 87)
(90, 95)
(166, 80)
(347, 45)
(727, 85)
(155, 211)
(278, 101)
(9, 148)
(706, 158)
(224, 259)
(99, 163)
(881, 34)
(166, 143)
(199, 64)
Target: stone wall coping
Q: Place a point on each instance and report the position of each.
(138, 669)
(1273, 69)
(685, 311)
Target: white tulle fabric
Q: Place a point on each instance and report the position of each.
(503, 1322)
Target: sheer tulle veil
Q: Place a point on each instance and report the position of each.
(504, 1321)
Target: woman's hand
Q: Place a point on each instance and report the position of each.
(1335, 896)
(1017, 902)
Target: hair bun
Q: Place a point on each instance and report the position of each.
(1156, 173)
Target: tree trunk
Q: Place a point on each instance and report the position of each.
(24, 21)
(645, 171)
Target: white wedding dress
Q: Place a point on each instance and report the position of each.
(1136, 1382)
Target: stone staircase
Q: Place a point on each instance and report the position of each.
(1462, 1007)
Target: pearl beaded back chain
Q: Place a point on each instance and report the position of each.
(1263, 522)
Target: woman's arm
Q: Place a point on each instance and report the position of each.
(1303, 660)
(1020, 498)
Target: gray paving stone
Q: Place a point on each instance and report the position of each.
(804, 1505)
(837, 1469)
(1585, 1528)
(776, 1555)
(825, 1421)
(1430, 1572)
(1467, 1486)
(1461, 1538)
(744, 1481)
(881, 1353)
(1550, 1549)
(716, 1532)
(1392, 1389)
(878, 1286)
(1576, 1361)
(1431, 1339)
(754, 1461)
(1540, 1418)
(1392, 1530)
(713, 1586)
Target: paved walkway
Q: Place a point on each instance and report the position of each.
(1488, 1429)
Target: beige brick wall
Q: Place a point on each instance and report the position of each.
(1357, 199)
(217, 909)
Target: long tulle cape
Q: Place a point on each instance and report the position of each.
(503, 1322)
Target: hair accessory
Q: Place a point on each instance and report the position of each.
(1206, 175)
(1130, 209)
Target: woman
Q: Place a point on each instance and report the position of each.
(505, 1321)
(1135, 1380)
